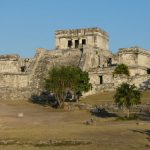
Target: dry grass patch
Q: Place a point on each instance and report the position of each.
(44, 123)
(107, 97)
(99, 98)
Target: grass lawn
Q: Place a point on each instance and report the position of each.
(107, 97)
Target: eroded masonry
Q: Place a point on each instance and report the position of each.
(87, 48)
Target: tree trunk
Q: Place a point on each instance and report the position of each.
(60, 101)
(128, 113)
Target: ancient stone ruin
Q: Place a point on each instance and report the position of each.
(86, 48)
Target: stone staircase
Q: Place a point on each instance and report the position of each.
(45, 60)
(38, 73)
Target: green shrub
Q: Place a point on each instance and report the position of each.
(121, 69)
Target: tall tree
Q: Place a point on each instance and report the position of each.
(64, 78)
(126, 96)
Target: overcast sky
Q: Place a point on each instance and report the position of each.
(29, 24)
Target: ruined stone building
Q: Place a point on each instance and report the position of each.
(86, 48)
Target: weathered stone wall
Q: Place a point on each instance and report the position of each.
(41, 63)
(91, 58)
(19, 85)
(137, 71)
(144, 59)
(137, 59)
(45, 60)
(14, 80)
(137, 80)
(14, 64)
(128, 59)
(106, 78)
(111, 82)
(106, 73)
(9, 93)
(9, 63)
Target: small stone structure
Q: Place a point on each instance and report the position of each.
(86, 48)
(137, 59)
(95, 37)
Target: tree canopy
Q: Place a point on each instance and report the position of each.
(122, 69)
(127, 95)
(64, 78)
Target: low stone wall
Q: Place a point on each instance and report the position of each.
(105, 87)
(15, 93)
(141, 108)
(137, 80)
(140, 81)
(14, 80)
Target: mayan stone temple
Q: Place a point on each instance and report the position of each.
(86, 48)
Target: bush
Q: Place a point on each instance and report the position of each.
(67, 79)
(121, 69)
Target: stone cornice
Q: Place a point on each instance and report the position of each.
(81, 32)
(133, 50)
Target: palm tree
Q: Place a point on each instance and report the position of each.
(126, 96)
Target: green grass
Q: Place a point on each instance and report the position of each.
(99, 98)
(107, 97)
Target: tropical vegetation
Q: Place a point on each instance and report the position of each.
(67, 79)
(126, 96)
